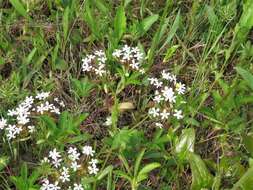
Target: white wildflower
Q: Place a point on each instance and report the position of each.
(88, 151)
(42, 95)
(178, 114)
(3, 123)
(77, 187)
(154, 112)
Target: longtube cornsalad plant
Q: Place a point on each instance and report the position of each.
(168, 91)
(167, 97)
(20, 120)
(69, 167)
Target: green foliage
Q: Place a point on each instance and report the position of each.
(19, 7)
(185, 143)
(65, 131)
(26, 181)
(247, 76)
(201, 178)
(246, 181)
(82, 88)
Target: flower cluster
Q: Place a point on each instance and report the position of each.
(69, 165)
(131, 57)
(95, 63)
(167, 91)
(22, 115)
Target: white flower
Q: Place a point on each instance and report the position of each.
(12, 112)
(135, 65)
(178, 114)
(75, 166)
(93, 169)
(88, 151)
(54, 154)
(180, 88)
(158, 84)
(117, 53)
(86, 65)
(56, 158)
(73, 154)
(62, 104)
(78, 187)
(166, 75)
(153, 80)
(49, 186)
(45, 160)
(93, 162)
(164, 114)
(57, 163)
(158, 98)
(154, 112)
(12, 131)
(100, 70)
(159, 125)
(108, 121)
(31, 128)
(168, 94)
(65, 175)
(23, 119)
(42, 95)
(3, 123)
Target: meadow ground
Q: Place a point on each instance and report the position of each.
(133, 94)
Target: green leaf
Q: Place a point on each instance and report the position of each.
(104, 172)
(185, 144)
(248, 143)
(170, 52)
(172, 31)
(124, 175)
(246, 181)
(138, 161)
(19, 8)
(201, 178)
(65, 22)
(119, 23)
(122, 138)
(4, 160)
(146, 23)
(145, 170)
(246, 75)
(101, 5)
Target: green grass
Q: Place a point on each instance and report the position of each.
(207, 44)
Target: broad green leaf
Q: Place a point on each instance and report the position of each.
(123, 174)
(172, 31)
(122, 138)
(246, 181)
(89, 18)
(248, 143)
(30, 56)
(246, 21)
(101, 5)
(4, 160)
(119, 23)
(201, 177)
(146, 23)
(246, 75)
(65, 22)
(185, 143)
(19, 7)
(138, 161)
(170, 52)
(145, 170)
(104, 172)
